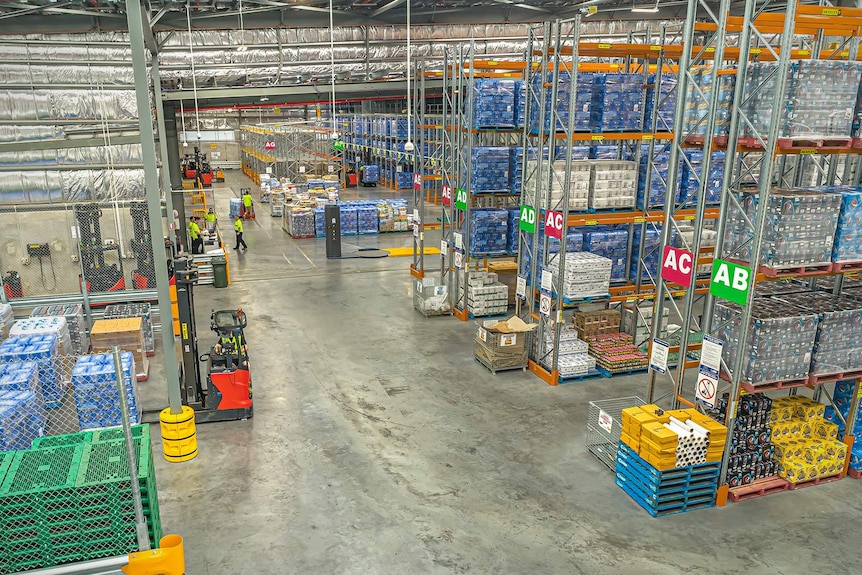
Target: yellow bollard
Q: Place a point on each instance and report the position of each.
(169, 559)
(179, 437)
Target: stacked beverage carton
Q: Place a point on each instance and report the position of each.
(319, 222)
(810, 83)
(7, 319)
(573, 358)
(685, 239)
(97, 398)
(843, 400)
(586, 275)
(45, 352)
(46, 326)
(780, 343)
(128, 335)
(366, 219)
(656, 177)
(512, 225)
(22, 418)
(692, 172)
(616, 102)
(485, 295)
(494, 103)
(666, 102)
(520, 103)
(561, 101)
(77, 325)
(839, 332)
(848, 234)
(612, 244)
(349, 220)
(489, 167)
(613, 184)
(651, 252)
(141, 310)
(579, 184)
(488, 231)
(800, 228)
(751, 448)
(696, 107)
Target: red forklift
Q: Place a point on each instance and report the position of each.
(246, 214)
(224, 391)
(195, 167)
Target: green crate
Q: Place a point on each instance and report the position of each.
(5, 462)
(62, 440)
(115, 433)
(107, 462)
(42, 471)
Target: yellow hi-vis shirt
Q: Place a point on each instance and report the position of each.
(210, 217)
(246, 200)
(194, 231)
(237, 226)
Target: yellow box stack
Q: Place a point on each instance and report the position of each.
(806, 445)
(644, 430)
(128, 334)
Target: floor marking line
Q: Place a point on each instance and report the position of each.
(287, 260)
(306, 257)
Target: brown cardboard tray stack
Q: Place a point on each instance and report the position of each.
(589, 323)
(501, 345)
(128, 334)
(507, 273)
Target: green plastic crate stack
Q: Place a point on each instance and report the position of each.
(39, 512)
(69, 498)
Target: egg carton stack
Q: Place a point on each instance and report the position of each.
(780, 342)
(7, 319)
(579, 184)
(141, 310)
(586, 275)
(485, 295)
(612, 244)
(22, 417)
(77, 325)
(44, 351)
(97, 398)
(708, 238)
(800, 228)
(613, 184)
(573, 358)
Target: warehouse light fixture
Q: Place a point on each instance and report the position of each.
(646, 9)
(242, 47)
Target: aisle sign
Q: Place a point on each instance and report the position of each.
(521, 287)
(270, 145)
(417, 182)
(461, 199)
(658, 356)
(554, 224)
(707, 373)
(730, 281)
(446, 195)
(677, 266)
(527, 221)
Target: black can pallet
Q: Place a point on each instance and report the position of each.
(667, 492)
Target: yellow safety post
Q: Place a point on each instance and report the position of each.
(169, 559)
(179, 437)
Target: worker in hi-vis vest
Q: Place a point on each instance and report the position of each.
(195, 235)
(237, 227)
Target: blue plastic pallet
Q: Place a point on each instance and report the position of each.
(606, 373)
(670, 485)
(668, 509)
(626, 456)
(592, 374)
(663, 493)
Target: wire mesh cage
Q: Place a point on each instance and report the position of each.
(604, 426)
(66, 490)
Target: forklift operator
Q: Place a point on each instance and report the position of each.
(233, 344)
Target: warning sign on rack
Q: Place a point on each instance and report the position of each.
(545, 305)
(707, 373)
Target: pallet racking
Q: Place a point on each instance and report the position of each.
(757, 159)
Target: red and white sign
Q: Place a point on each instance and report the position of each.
(417, 182)
(554, 224)
(446, 195)
(677, 266)
(269, 145)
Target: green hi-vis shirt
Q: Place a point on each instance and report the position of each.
(237, 225)
(210, 217)
(194, 230)
(246, 200)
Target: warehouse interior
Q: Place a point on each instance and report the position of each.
(524, 286)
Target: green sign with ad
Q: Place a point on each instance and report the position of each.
(730, 281)
(527, 222)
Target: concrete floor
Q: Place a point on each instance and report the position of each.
(380, 446)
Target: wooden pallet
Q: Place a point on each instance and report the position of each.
(801, 144)
(751, 388)
(820, 379)
(855, 473)
(842, 267)
(795, 271)
(759, 488)
(816, 481)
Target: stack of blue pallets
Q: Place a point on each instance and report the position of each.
(96, 395)
(666, 492)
